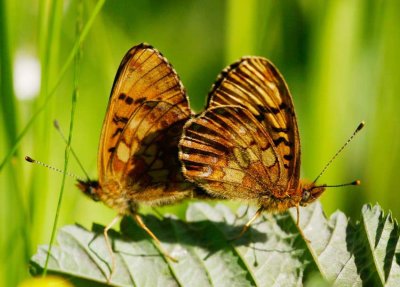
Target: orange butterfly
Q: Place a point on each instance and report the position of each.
(138, 152)
(246, 144)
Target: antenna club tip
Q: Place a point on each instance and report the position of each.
(56, 124)
(360, 126)
(29, 159)
(357, 182)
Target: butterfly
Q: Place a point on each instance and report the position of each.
(138, 151)
(246, 144)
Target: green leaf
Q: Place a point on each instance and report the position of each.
(272, 252)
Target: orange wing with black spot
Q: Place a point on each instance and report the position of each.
(249, 93)
(256, 84)
(145, 116)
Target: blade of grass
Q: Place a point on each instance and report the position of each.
(7, 99)
(74, 99)
(50, 36)
(47, 98)
(13, 252)
(385, 123)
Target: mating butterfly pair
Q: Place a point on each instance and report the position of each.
(244, 146)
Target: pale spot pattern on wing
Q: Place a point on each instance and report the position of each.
(234, 175)
(241, 157)
(272, 86)
(207, 171)
(272, 120)
(268, 157)
(123, 152)
(271, 103)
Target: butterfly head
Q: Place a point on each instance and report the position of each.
(90, 187)
(310, 192)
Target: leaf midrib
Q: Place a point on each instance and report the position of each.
(372, 248)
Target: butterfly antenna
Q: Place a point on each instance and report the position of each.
(31, 160)
(356, 182)
(360, 126)
(58, 128)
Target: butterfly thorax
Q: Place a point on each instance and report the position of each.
(303, 194)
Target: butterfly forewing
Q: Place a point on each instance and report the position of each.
(226, 151)
(255, 84)
(147, 110)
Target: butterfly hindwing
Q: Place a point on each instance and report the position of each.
(147, 110)
(255, 84)
(227, 152)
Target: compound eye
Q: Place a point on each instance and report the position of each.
(93, 194)
(306, 195)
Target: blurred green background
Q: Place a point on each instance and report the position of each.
(340, 59)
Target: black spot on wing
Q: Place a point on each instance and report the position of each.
(283, 106)
(260, 117)
(117, 119)
(278, 130)
(117, 131)
(128, 100)
(288, 157)
(274, 110)
(282, 140)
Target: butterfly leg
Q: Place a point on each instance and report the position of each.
(140, 222)
(240, 216)
(247, 225)
(109, 246)
(298, 224)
